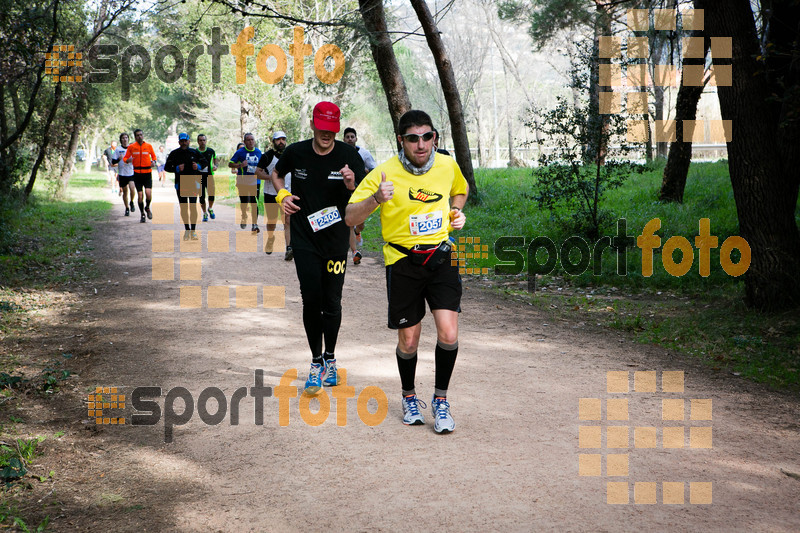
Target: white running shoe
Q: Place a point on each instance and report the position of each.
(444, 422)
(411, 413)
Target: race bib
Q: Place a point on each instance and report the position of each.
(324, 218)
(251, 169)
(426, 224)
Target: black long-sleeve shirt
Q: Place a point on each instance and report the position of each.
(185, 157)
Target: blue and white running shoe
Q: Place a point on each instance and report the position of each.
(331, 376)
(444, 422)
(314, 381)
(411, 413)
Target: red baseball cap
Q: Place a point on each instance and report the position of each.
(326, 116)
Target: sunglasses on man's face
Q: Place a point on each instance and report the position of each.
(413, 137)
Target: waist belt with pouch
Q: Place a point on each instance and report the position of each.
(431, 256)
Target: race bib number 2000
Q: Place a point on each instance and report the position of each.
(426, 224)
(324, 218)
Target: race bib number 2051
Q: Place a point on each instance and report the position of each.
(426, 224)
(324, 218)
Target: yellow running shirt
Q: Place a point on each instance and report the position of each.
(418, 213)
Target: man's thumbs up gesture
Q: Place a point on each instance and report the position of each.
(385, 190)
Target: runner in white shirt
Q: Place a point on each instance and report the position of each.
(125, 173)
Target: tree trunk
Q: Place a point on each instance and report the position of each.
(680, 151)
(645, 115)
(69, 163)
(87, 166)
(598, 124)
(662, 44)
(450, 90)
(478, 132)
(509, 128)
(3, 123)
(764, 151)
(385, 61)
(658, 103)
(45, 142)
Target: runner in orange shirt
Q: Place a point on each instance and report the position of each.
(143, 157)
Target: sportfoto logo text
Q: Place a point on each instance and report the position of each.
(213, 406)
(134, 64)
(512, 260)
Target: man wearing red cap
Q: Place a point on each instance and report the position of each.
(324, 174)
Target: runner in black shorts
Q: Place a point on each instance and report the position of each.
(183, 161)
(324, 173)
(431, 191)
(208, 165)
(143, 157)
(245, 160)
(124, 174)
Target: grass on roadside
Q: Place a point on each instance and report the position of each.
(45, 239)
(721, 332)
(43, 247)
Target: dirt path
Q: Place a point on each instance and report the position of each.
(511, 464)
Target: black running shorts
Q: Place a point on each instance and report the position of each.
(185, 199)
(410, 286)
(124, 180)
(204, 180)
(143, 180)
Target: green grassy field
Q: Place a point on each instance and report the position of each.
(43, 241)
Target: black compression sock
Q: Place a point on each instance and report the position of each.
(407, 365)
(141, 207)
(328, 356)
(445, 362)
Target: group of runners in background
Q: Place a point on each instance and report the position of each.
(335, 186)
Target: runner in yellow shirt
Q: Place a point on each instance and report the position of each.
(420, 194)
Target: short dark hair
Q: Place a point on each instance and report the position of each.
(134, 131)
(414, 117)
(350, 130)
(201, 135)
(125, 133)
